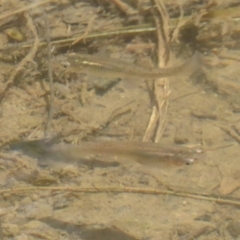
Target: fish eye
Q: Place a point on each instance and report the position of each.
(189, 161)
(65, 64)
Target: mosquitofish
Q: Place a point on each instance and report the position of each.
(113, 68)
(146, 154)
(142, 152)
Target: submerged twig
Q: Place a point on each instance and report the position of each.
(157, 121)
(132, 30)
(50, 77)
(162, 86)
(133, 190)
(85, 34)
(180, 23)
(124, 7)
(149, 132)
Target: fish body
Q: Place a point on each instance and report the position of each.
(146, 154)
(112, 68)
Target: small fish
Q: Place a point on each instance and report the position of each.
(141, 152)
(112, 68)
(146, 154)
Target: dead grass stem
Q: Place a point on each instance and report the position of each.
(117, 189)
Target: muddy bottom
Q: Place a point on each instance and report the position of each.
(123, 199)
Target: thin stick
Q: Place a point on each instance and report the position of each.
(85, 34)
(157, 120)
(50, 77)
(66, 42)
(124, 7)
(162, 111)
(230, 132)
(133, 190)
(152, 122)
(163, 34)
(162, 92)
(182, 21)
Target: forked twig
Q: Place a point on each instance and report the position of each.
(157, 121)
(181, 22)
(162, 85)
